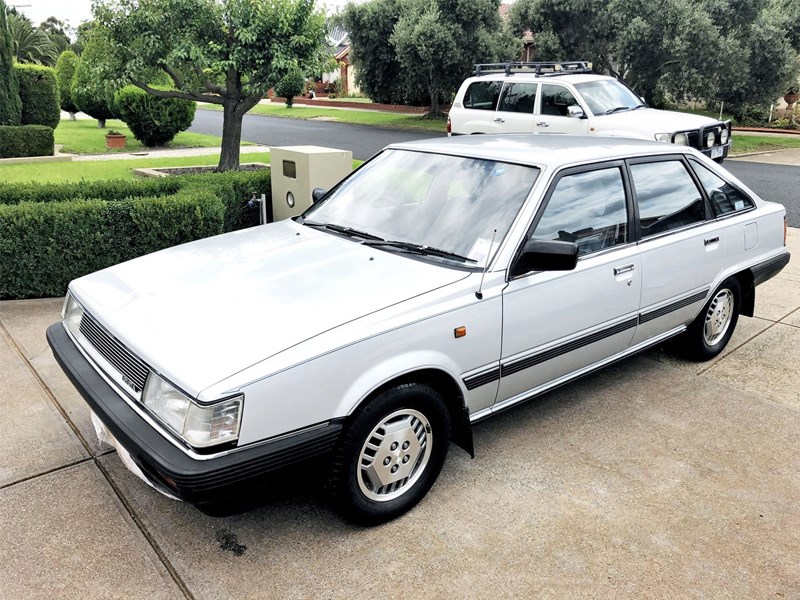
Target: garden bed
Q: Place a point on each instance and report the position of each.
(194, 170)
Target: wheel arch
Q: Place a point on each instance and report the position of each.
(452, 394)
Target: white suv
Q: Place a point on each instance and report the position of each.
(566, 97)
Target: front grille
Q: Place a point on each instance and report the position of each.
(133, 370)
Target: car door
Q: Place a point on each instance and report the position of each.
(682, 248)
(515, 110)
(553, 111)
(559, 323)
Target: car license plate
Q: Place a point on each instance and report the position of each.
(717, 152)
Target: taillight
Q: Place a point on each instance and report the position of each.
(449, 125)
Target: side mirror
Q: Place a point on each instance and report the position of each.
(546, 255)
(576, 112)
(317, 194)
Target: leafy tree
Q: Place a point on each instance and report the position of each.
(378, 70)
(91, 89)
(432, 46)
(734, 51)
(30, 45)
(227, 52)
(65, 71)
(291, 85)
(56, 30)
(10, 107)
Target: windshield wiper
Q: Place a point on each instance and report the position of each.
(343, 229)
(640, 106)
(419, 249)
(616, 109)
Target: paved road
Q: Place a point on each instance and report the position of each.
(778, 183)
(362, 140)
(772, 182)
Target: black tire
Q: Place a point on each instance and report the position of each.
(392, 421)
(721, 312)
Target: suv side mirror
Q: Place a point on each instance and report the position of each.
(317, 194)
(545, 255)
(576, 112)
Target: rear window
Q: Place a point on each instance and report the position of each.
(725, 199)
(483, 95)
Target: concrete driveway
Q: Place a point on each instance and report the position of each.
(655, 478)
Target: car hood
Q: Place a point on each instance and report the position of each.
(203, 311)
(652, 120)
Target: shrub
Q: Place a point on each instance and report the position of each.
(153, 121)
(43, 246)
(65, 71)
(113, 189)
(89, 85)
(38, 90)
(291, 85)
(26, 140)
(10, 107)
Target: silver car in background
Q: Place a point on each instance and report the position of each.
(442, 282)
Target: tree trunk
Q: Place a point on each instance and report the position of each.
(231, 135)
(101, 123)
(72, 116)
(436, 109)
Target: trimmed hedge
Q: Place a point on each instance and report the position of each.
(153, 121)
(9, 86)
(38, 90)
(43, 246)
(26, 140)
(51, 234)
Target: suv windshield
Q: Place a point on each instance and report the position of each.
(448, 204)
(606, 96)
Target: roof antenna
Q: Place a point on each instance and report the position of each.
(479, 293)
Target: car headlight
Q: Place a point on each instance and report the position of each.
(723, 136)
(72, 313)
(662, 137)
(198, 424)
(710, 137)
(681, 139)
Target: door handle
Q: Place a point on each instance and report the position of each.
(499, 120)
(542, 124)
(712, 240)
(623, 269)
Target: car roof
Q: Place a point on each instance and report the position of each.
(549, 150)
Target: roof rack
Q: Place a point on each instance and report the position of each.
(538, 68)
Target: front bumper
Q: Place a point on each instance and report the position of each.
(166, 466)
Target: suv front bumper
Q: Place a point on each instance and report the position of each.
(166, 466)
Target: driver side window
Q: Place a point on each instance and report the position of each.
(588, 209)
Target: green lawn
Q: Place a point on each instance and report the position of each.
(343, 115)
(744, 143)
(84, 137)
(48, 172)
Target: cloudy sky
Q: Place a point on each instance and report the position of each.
(76, 11)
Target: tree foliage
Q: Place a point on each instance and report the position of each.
(56, 30)
(29, 44)
(92, 86)
(432, 45)
(65, 71)
(734, 51)
(227, 52)
(10, 107)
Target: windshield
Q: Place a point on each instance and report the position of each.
(447, 203)
(606, 96)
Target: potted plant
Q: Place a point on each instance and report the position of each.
(115, 139)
